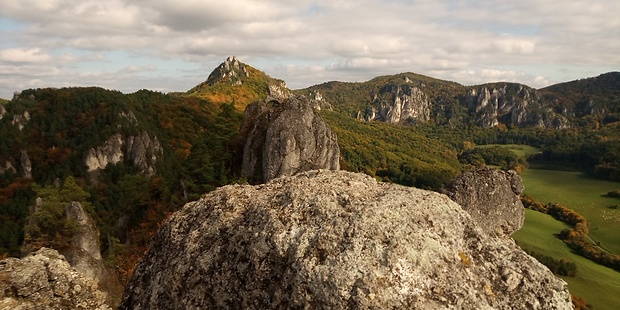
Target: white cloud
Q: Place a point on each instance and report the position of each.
(24, 55)
(310, 41)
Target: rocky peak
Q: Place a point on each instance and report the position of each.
(335, 240)
(230, 71)
(491, 197)
(44, 280)
(285, 137)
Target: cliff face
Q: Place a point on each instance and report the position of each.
(334, 239)
(44, 280)
(141, 150)
(285, 137)
(400, 104)
(513, 104)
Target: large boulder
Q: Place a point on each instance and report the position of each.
(334, 240)
(45, 280)
(284, 137)
(492, 198)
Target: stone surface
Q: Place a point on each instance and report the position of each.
(44, 280)
(26, 165)
(141, 150)
(400, 104)
(491, 197)
(487, 103)
(84, 254)
(334, 240)
(284, 137)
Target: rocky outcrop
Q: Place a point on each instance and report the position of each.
(110, 152)
(511, 103)
(44, 280)
(334, 240)
(84, 254)
(142, 151)
(20, 120)
(231, 71)
(491, 197)
(2, 111)
(285, 137)
(279, 90)
(400, 104)
(318, 101)
(26, 165)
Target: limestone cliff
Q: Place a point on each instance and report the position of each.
(512, 104)
(141, 150)
(284, 137)
(334, 240)
(400, 104)
(44, 280)
(2, 111)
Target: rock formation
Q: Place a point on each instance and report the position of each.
(26, 165)
(511, 101)
(334, 240)
(141, 150)
(400, 104)
(284, 137)
(20, 120)
(491, 197)
(2, 111)
(85, 253)
(44, 280)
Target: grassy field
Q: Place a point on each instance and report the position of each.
(582, 194)
(598, 285)
(519, 149)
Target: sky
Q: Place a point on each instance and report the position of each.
(173, 45)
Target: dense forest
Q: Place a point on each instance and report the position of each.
(201, 150)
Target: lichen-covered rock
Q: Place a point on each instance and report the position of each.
(44, 280)
(491, 197)
(284, 137)
(334, 240)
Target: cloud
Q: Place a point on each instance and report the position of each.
(24, 55)
(329, 39)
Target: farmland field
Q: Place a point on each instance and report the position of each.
(598, 285)
(582, 194)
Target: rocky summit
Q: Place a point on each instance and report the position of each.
(284, 137)
(335, 240)
(44, 280)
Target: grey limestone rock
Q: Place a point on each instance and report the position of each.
(284, 137)
(491, 197)
(334, 240)
(142, 150)
(44, 280)
(400, 104)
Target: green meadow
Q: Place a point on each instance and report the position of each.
(520, 149)
(582, 194)
(598, 285)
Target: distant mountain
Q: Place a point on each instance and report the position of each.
(239, 84)
(413, 98)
